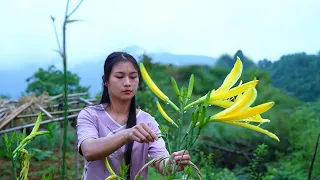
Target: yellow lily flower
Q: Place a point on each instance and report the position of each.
(113, 177)
(232, 77)
(154, 88)
(106, 162)
(241, 111)
(25, 169)
(254, 128)
(224, 92)
(164, 114)
(228, 98)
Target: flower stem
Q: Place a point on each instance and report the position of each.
(65, 89)
(174, 106)
(14, 167)
(192, 104)
(187, 133)
(181, 114)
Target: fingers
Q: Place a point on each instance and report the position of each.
(149, 131)
(184, 157)
(180, 153)
(145, 136)
(142, 133)
(141, 137)
(132, 135)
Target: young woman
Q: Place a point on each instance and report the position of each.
(116, 129)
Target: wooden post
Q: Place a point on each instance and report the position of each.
(76, 159)
(44, 111)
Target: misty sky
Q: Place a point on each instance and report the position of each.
(262, 29)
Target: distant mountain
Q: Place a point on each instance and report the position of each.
(169, 58)
(13, 82)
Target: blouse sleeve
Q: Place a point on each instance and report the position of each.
(86, 127)
(157, 148)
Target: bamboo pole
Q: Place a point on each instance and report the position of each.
(41, 123)
(15, 114)
(52, 113)
(44, 111)
(86, 101)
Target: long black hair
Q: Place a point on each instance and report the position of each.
(111, 60)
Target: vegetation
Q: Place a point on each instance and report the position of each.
(297, 74)
(221, 151)
(51, 81)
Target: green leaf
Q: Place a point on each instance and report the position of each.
(13, 137)
(71, 21)
(6, 140)
(175, 88)
(164, 130)
(24, 134)
(190, 88)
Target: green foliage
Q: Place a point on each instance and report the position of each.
(304, 129)
(51, 81)
(295, 122)
(4, 96)
(209, 170)
(255, 169)
(40, 154)
(49, 177)
(123, 169)
(297, 74)
(232, 137)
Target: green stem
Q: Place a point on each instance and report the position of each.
(173, 105)
(192, 104)
(180, 121)
(188, 146)
(167, 139)
(187, 133)
(14, 167)
(65, 122)
(181, 114)
(195, 139)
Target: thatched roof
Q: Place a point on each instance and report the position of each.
(25, 110)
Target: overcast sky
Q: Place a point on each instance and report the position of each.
(262, 29)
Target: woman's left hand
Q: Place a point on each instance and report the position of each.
(176, 156)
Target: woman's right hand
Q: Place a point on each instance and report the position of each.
(141, 133)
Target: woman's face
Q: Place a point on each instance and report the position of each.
(123, 81)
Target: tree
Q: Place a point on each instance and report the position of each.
(297, 74)
(51, 81)
(227, 62)
(4, 96)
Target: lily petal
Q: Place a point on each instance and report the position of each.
(222, 103)
(254, 128)
(244, 102)
(250, 112)
(232, 77)
(234, 91)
